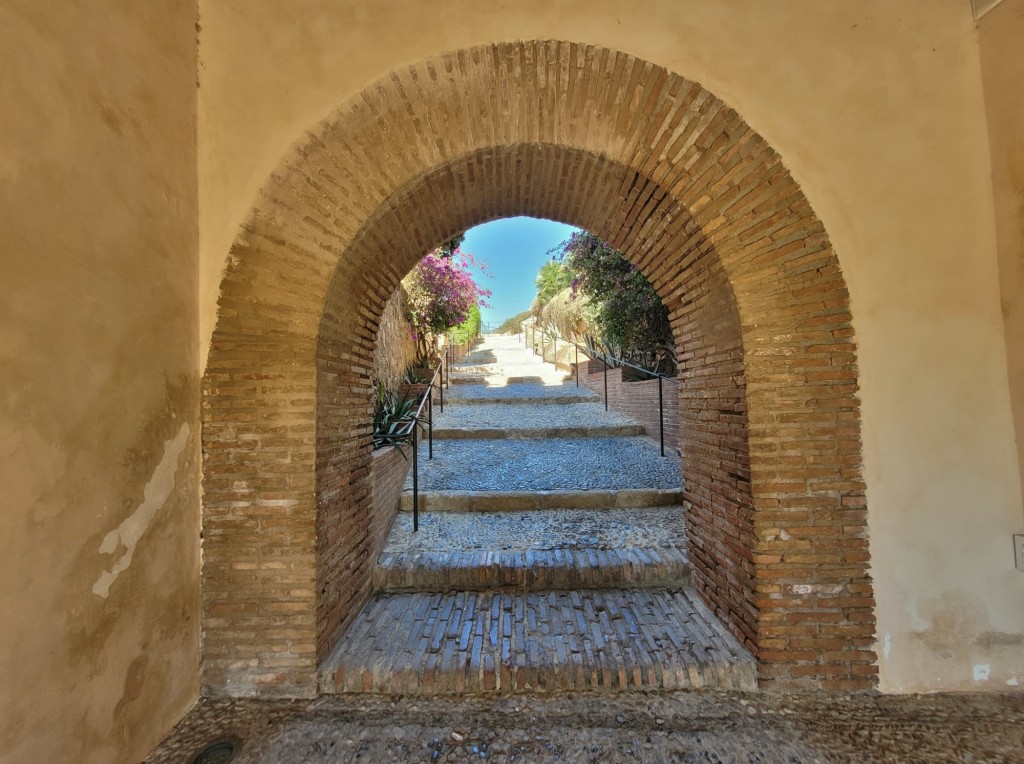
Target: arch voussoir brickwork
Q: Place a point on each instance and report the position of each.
(640, 156)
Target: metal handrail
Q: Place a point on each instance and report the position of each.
(604, 359)
(428, 401)
(622, 362)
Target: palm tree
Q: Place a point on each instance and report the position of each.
(552, 278)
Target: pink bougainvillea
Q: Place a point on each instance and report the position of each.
(441, 291)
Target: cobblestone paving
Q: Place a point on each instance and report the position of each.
(439, 571)
(491, 501)
(546, 465)
(496, 416)
(704, 727)
(540, 530)
(470, 642)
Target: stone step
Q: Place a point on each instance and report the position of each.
(468, 643)
(536, 549)
(583, 465)
(527, 433)
(515, 501)
(575, 419)
(537, 570)
(522, 393)
(497, 378)
(538, 400)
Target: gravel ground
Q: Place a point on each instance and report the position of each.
(505, 416)
(706, 727)
(539, 530)
(547, 465)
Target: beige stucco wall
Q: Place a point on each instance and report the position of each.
(98, 378)
(877, 108)
(1000, 33)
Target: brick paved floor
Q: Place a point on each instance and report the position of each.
(468, 642)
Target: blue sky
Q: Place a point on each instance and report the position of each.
(513, 249)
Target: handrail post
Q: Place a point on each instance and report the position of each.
(554, 352)
(415, 478)
(661, 416)
(430, 421)
(604, 359)
(577, 364)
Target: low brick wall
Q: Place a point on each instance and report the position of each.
(387, 475)
(637, 399)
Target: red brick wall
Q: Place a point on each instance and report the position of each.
(388, 470)
(637, 399)
(768, 413)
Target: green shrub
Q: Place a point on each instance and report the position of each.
(468, 329)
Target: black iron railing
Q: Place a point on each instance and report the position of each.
(529, 337)
(437, 379)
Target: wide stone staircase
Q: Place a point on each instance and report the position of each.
(550, 555)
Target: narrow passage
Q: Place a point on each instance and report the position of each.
(551, 553)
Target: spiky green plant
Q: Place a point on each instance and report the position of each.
(394, 415)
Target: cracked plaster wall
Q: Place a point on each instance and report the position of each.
(99, 514)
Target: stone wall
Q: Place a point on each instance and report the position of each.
(395, 348)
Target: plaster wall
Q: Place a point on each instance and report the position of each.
(877, 109)
(99, 409)
(1002, 67)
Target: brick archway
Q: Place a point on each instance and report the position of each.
(645, 159)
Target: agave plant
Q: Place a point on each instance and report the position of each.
(604, 349)
(393, 418)
(418, 374)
